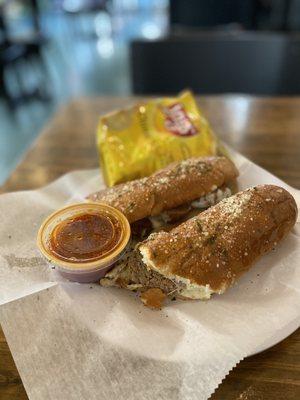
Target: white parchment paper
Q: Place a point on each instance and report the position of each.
(81, 341)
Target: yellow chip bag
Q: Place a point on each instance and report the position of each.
(135, 142)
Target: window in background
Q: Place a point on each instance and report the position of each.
(83, 51)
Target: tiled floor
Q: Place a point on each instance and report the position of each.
(79, 63)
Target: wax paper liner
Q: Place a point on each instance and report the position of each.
(73, 341)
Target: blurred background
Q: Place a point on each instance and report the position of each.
(54, 50)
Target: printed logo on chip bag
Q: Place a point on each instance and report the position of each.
(178, 122)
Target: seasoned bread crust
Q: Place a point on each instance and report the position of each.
(177, 184)
(219, 245)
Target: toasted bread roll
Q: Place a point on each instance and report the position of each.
(209, 252)
(173, 186)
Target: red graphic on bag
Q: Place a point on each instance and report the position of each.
(178, 122)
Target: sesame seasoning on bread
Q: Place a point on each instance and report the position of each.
(173, 186)
(209, 252)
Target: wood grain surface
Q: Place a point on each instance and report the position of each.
(266, 130)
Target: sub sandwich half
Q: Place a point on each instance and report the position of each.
(210, 251)
(172, 194)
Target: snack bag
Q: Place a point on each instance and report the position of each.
(137, 141)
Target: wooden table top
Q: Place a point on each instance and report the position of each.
(266, 130)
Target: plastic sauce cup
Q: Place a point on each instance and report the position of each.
(63, 233)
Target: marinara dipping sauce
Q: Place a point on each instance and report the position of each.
(84, 240)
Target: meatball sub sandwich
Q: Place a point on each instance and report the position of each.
(173, 193)
(209, 252)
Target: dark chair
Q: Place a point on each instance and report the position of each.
(17, 57)
(253, 63)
